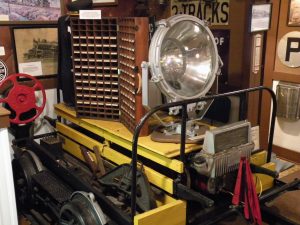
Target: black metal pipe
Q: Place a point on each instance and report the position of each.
(16, 141)
(272, 124)
(183, 132)
(278, 190)
(271, 217)
(186, 102)
(221, 216)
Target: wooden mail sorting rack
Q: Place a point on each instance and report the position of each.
(133, 50)
(95, 65)
(107, 56)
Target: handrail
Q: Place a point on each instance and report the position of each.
(184, 104)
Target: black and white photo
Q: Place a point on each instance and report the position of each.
(36, 50)
(30, 10)
(260, 17)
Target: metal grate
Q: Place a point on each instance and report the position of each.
(133, 49)
(95, 65)
(53, 186)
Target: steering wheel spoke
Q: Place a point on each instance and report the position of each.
(37, 86)
(3, 100)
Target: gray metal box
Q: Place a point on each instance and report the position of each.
(288, 100)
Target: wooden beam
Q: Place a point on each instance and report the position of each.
(4, 117)
(287, 154)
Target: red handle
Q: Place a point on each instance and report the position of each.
(21, 98)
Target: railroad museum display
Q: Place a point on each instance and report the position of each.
(161, 112)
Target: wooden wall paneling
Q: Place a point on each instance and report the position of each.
(281, 70)
(275, 70)
(6, 41)
(124, 8)
(159, 11)
(237, 71)
(250, 79)
(268, 74)
(287, 154)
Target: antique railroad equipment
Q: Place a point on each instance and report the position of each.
(164, 166)
(123, 178)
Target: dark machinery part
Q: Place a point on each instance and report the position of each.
(82, 209)
(120, 179)
(24, 168)
(100, 162)
(54, 145)
(75, 174)
(89, 159)
(183, 192)
(51, 121)
(48, 183)
(47, 197)
(259, 169)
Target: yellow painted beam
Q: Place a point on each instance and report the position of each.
(170, 214)
(172, 164)
(153, 176)
(264, 182)
(119, 134)
(259, 158)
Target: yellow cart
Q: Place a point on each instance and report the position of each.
(113, 135)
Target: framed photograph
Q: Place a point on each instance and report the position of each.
(30, 10)
(294, 13)
(36, 49)
(105, 2)
(260, 17)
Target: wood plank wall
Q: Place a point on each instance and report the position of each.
(275, 70)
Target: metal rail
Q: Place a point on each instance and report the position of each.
(184, 104)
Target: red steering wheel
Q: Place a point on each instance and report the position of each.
(21, 98)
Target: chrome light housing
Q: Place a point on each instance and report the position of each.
(183, 57)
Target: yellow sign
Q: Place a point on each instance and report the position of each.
(215, 12)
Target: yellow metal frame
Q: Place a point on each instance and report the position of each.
(115, 132)
(259, 158)
(263, 181)
(69, 136)
(169, 211)
(173, 213)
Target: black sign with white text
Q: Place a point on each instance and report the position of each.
(222, 38)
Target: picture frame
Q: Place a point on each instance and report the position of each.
(36, 49)
(30, 11)
(105, 3)
(260, 17)
(294, 13)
